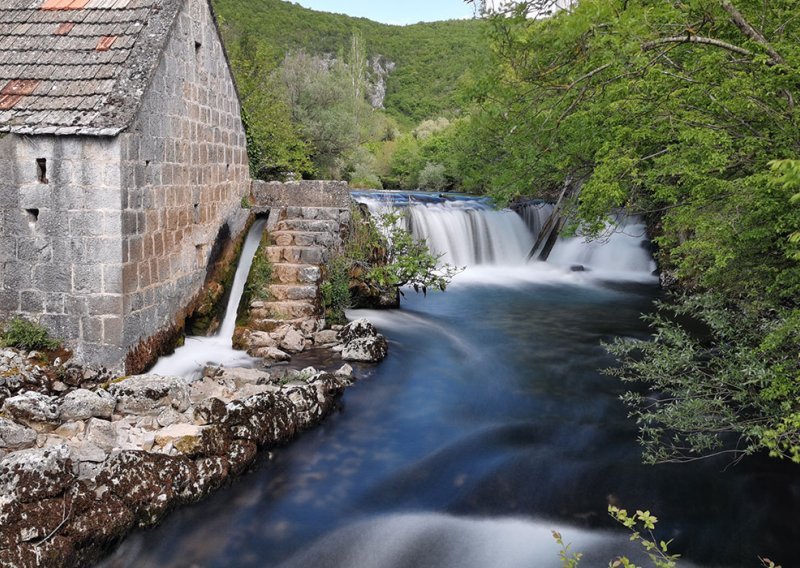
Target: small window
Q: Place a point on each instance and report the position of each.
(41, 170)
(197, 46)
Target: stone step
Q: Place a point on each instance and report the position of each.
(323, 213)
(285, 309)
(298, 255)
(303, 238)
(287, 273)
(308, 225)
(293, 292)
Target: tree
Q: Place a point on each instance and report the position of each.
(672, 111)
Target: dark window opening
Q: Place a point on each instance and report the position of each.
(33, 215)
(196, 212)
(41, 170)
(197, 46)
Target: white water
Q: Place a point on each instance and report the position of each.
(494, 244)
(427, 540)
(190, 359)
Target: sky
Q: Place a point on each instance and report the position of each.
(398, 12)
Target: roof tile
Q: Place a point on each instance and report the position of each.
(78, 57)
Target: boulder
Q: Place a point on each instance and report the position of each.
(293, 341)
(36, 474)
(33, 409)
(15, 436)
(150, 394)
(365, 349)
(362, 342)
(186, 438)
(326, 337)
(258, 339)
(272, 353)
(83, 404)
(101, 433)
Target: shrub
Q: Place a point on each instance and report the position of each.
(24, 334)
(432, 177)
(335, 290)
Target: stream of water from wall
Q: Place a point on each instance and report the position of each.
(487, 426)
(190, 359)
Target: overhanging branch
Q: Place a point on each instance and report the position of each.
(697, 39)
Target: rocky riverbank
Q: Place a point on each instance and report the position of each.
(85, 457)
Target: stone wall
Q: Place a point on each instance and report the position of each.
(60, 240)
(184, 173)
(305, 193)
(107, 241)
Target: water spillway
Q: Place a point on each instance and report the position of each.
(190, 359)
(487, 426)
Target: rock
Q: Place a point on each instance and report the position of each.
(170, 416)
(357, 328)
(149, 485)
(273, 353)
(33, 409)
(36, 474)
(293, 341)
(345, 371)
(239, 377)
(257, 339)
(362, 342)
(337, 348)
(102, 433)
(325, 337)
(87, 452)
(15, 436)
(83, 404)
(186, 438)
(150, 394)
(279, 333)
(365, 349)
(70, 430)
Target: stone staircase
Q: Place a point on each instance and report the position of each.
(302, 240)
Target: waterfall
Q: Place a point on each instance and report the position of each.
(469, 231)
(197, 352)
(464, 231)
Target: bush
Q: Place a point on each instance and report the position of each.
(432, 177)
(364, 178)
(259, 277)
(24, 334)
(336, 290)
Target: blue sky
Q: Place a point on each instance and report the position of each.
(395, 11)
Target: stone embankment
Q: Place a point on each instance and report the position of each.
(86, 457)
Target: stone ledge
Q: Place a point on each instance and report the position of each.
(304, 193)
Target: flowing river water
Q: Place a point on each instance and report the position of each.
(487, 426)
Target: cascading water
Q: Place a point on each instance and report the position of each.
(468, 231)
(197, 352)
(487, 426)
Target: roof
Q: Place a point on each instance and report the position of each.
(78, 66)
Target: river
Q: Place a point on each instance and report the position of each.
(487, 426)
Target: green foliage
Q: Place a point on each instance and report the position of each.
(430, 58)
(568, 559)
(260, 275)
(638, 523)
(641, 524)
(736, 377)
(335, 289)
(432, 177)
(274, 146)
(409, 261)
(24, 334)
(671, 110)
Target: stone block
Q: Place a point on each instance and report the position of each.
(87, 278)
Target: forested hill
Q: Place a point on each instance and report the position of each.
(431, 59)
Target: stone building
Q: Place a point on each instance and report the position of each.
(122, 168)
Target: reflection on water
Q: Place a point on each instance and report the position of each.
(487, 426)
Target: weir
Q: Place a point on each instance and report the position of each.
(469, 231)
